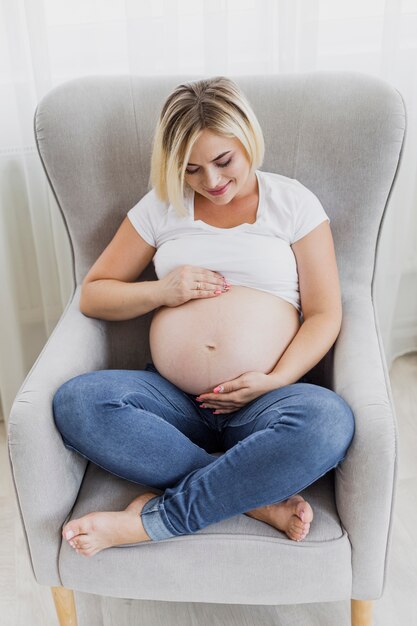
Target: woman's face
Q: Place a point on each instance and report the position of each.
(216, 162)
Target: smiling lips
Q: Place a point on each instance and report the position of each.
(219, 190)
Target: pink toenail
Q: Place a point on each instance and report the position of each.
(302, 516)
(69, 534)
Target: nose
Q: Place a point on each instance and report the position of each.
(213, 180)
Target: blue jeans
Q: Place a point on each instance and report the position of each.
(141, 427)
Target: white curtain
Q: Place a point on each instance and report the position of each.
(46, 42)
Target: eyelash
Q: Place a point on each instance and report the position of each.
(219, 165)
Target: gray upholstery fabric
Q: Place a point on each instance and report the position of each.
(237, 561)
(340, 134)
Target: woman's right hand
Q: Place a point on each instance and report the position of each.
(180, 285)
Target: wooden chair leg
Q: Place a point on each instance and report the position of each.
(361, 612)
(65, 606)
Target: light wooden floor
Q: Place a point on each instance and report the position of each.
(25, 603)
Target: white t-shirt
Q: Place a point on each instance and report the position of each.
(255, 255)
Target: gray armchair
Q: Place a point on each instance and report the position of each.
(339, 133)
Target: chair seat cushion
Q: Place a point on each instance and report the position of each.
(232, 561)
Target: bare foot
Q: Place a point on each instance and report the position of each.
(293, 516)
(96, 531)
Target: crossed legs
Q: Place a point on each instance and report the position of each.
(139, 426)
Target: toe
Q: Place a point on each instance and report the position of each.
(297, 524)
(301, 511)
(304, 511)
(298, 533)
(294, 531)
(305, 533)
(295, 536)
(71, 530)
(83, 542)
(77, 527)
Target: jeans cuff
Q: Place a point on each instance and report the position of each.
(152, 520)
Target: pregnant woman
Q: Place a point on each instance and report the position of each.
(247, 301)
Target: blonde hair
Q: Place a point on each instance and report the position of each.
(216, 104)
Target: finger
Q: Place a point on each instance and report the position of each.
(216, 397)
(219, 405)
(204, 272)
(212, 279)
(207, 289)
(217, 281)
(209, 292)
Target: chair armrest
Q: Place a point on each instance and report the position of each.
(365, 481)
(46, 475)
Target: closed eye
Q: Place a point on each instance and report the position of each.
(218, 165)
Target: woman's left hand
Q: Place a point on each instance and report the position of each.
(234, 394)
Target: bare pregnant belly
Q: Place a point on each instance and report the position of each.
(202, 343)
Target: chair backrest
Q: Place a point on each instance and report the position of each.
(339, 133)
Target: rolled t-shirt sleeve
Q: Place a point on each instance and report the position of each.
(308, 214)
(144, 217)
